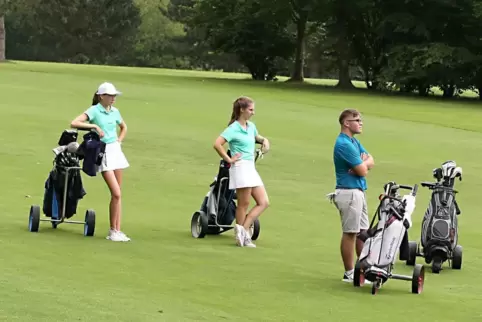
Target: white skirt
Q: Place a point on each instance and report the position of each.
(114, 158)
(243, 174)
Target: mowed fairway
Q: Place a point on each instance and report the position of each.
(164, 274)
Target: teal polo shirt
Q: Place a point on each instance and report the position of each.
(241, 140)
(106, 120)
(347, 155)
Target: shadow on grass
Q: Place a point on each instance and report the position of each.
(148, 74)
(8, 62)
(339, 288)
(307, 87)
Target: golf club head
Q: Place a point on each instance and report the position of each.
(450, 170)
(59, 149)
(259, 154)
(72, 147)
(437, 173)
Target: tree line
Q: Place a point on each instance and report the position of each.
(408, 46)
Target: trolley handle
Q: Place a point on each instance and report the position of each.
(428, 184)
(433, 186)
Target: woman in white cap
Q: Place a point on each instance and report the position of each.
(104, 118)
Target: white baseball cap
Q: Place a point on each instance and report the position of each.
(107, 88)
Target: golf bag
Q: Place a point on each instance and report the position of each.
(219, 201)
(381, 242)
(55, 185)
(439, 235)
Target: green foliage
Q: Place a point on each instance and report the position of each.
(155, 44)
(254, 30)
(78, 31)
(391, 45)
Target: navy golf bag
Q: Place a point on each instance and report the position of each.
(56, 186)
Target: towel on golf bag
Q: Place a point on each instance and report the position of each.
(91, 150)
(383, 242)
(439, 223)
(54, 188)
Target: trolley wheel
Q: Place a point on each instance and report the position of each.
(418, 279)
(457, 257)
(412, 253)
(89, 226)
(358, 276)
(254, 229)
(34, 218)
(199, 224)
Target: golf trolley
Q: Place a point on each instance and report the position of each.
(439, 237)
(63, 189)
(218, 209)
(381, 242)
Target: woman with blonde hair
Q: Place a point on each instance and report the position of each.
(242, 135)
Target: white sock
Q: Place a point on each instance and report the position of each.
(350, 272)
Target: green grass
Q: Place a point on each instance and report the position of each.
(166, 275)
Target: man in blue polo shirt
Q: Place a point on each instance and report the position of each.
(352, 163)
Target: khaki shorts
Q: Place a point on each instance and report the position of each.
(352, 205)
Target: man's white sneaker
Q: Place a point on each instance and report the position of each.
(349, 279)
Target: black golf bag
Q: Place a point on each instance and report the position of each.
(219, 202)
(439, 236)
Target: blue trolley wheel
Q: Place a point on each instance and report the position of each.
(34, 218)
(89, 226)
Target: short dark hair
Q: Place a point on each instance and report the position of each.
(347, 113)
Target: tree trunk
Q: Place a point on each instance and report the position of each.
(298, 74)
(449, 91)
(344, 79)
(2, 38)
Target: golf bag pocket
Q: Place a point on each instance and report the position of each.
(381, 248)
(343, 199)
(440, 220)
(48, 196)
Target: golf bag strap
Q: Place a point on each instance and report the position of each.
(377, 213)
